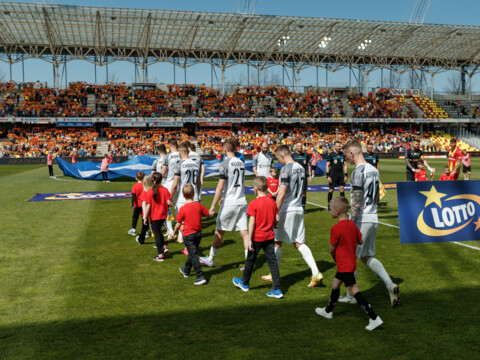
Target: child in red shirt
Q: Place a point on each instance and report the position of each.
(189, 217)
(344, 237)
(421, 174)
(263, 214)
(446, 175)
(273, 183)
(158, 200)
(137, 190)
(147, 186)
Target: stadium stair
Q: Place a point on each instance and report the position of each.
(102, 147)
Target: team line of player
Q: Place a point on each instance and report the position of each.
(275, 217)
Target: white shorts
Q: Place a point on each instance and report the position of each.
(369, 232)
(291, 227)
(169, 188)
(232, 217)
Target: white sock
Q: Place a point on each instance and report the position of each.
(378, 269)
(308, 257)
(180, 237)
(348, 292)
(169, 227)
(278, 255)
(246, 253)
(213, 253)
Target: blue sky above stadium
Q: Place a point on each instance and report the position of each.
(462, 12)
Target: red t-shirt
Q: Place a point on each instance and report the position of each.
(272, 185)
(445, 177)
(158, 206)
(137, 189)
(264, 210)
(190, 215)
(345, 235)
(421, 175)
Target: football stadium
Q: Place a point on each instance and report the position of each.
(191, 181)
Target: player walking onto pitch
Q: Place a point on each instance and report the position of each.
(168, 173)
(187, 171)
(199, 160)
(157, 165)
(455, 156)
(365, 181)
(344, 238)
(233, 210)
(291, 228)
(262, 162)
(336, 170)
(412, 156)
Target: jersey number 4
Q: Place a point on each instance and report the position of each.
(372, 193)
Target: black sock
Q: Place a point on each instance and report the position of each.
(330, 195)
(333, 300)
(342, 193)
(362, 301)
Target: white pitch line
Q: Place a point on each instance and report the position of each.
(395, 226)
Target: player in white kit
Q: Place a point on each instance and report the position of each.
(199, 160)
(157, 165)
(262, 162)
(233, 210)
(186, 172)
(168, 173)
(363, 212)
(291, 228)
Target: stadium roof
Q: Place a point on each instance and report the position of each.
(59, 33)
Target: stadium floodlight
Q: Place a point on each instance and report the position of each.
(324, 42)
(283, 40)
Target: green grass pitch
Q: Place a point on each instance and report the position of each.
(73, 284)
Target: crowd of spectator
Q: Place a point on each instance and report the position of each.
(80, 99)
(40, 141)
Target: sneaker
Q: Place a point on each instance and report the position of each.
(373, 324)
(152, 234)
(159, 258)
(184, 252)
(347, 299)
(137, 239)
(394, 295)
(275, 294)
(182, 270)
(267, 277)
(238, 283)
(200, 281)
(322, 312)
(146, 234)
(132, 231)
(317, 279)
(165, 250)
(205, 261)
(154, 246)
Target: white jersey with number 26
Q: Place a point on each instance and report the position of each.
(366, 177)
(292, 175)
(233, 170)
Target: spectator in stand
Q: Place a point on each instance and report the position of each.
(467, 167)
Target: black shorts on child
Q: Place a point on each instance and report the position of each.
(348, 278)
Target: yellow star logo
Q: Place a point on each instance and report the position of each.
(433, 196)
(477, 223)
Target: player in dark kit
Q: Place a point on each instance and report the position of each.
(412, 156)
(370, 157)
(303, 159)
(336, 170)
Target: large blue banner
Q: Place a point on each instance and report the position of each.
(89, 170)
(438, 211)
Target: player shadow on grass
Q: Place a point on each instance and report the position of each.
(314, 210)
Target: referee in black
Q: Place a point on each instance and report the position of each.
(370, 157)
(303, 159)
(411, 159)
(336, 170)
